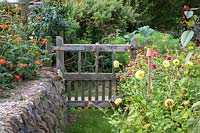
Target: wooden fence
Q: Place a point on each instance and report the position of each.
(80, 82)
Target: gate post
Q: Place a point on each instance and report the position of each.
(133, 49)
(60, 54)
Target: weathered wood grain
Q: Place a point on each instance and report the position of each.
(89, 76)
(88, 104)
(94, 47)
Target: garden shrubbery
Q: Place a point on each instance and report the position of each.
(173, 105)
(20, 54)
(175, 88)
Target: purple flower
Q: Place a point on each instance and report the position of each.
(153, 66)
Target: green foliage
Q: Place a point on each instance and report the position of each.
(96, 20)
(87, 121)
(20, 54)
(186, 37)
(50, 18)
(148, 37)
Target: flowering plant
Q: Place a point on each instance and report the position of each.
(175, 83)
(20, 54)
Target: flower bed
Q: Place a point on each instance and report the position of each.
(20, 54)
(175, 88)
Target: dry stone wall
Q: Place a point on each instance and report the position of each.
(35, 106)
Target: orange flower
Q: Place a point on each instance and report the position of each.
(1, 37)
(37, 62)
(57, 48)
(10, 13)
(44, 41)
(17, 77)
(20, 20)
(17, 39)
(34, 40)
(3, 26)
(11, 66)
(18, 8)
(3, 61)
(37, 17)
(22, 65)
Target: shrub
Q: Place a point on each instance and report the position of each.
(21, 55)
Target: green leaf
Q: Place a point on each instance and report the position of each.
(197, 104)
(190, 23)
(189, 55)
(195, 17)
(188, 14)
(182, 81)
(186, 37)
(192, 9)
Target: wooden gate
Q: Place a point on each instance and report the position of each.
(89, 82)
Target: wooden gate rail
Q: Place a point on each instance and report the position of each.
(81, 81)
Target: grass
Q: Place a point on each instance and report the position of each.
(87, 121)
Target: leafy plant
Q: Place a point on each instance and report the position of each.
(20, 54)
(174, 90)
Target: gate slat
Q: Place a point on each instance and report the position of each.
(79, 62)
(89, 90)
(110, 89)
(89, 76)
(88, 104)
(103, 90)
(69, 90)
(96, 90)
(82, 90)
(76, 90)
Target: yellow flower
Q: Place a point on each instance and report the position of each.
(139, 74)
(176, 62)
(190, 48)
(166, 63)
(189, 64)
(116, 64)
(118, 101)
(186, 102)
(169, 103)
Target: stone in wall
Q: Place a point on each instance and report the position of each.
(36, 106)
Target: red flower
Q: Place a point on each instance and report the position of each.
(186, 8)
(168, 58)
(153, 66)
(117, 75)
(17, 77)
(10, 13)
(44, 41)
(130, 74)
(3, 61)
(1, 37)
